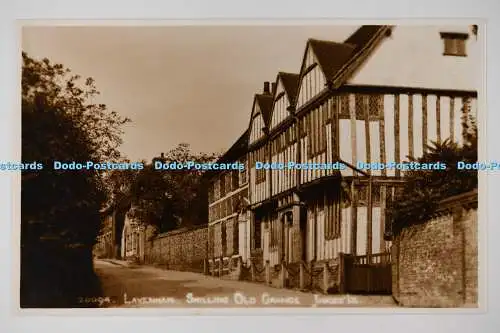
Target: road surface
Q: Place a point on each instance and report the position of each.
(146, 286)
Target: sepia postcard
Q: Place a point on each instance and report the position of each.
(215, 166)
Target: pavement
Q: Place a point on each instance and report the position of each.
(130, 285)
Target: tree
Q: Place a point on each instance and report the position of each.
(53, 85)
(424, 189)
(60, 209)
(169, 199)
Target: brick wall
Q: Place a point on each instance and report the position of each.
(183, 250)
(435, 263)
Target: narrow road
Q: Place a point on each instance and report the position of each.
(145, 286)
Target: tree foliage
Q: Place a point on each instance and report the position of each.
(424, 189)
(60, 122)
(60, 209)
(169, 199)
(52, 85)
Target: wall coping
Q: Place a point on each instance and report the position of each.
(450, 206)
(181, 231)
(468, 199)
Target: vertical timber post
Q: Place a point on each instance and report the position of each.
(341, 278)
(302, 281)
(221, 266)
(369, 231)
(283, 275)
(268, 272)
(325, 277)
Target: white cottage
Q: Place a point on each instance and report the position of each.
(133, 240)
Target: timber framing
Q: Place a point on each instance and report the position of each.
(321, 116)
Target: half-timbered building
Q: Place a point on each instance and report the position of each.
(379, 96)
(228, 227)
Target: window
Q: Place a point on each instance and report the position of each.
(229, 182)
(217, 211)
(332, 208)
(236, 236)
(211, 242)
(257, 232)
(217, 189)
(211, 193)
(224, 238)
(260, 174)
(344, 107)
(317, 133)
(243, 173)
(454, 43)
(363, 195)
(228, 207)
(274, 230)
(360, 106)
(328, 109)
(234, 179)
(222, 183)
(375, 106)
(302, 127)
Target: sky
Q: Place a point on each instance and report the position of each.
(178, 84)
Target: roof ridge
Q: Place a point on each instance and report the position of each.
(287, 73)
(364, 47)
(330, 42)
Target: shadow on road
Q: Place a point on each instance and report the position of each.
(58, 278)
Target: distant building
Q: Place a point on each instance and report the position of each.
(229, 233)
(108, 243)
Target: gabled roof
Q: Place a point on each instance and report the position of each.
(290, 84)
(331, 56)
(265, 102)
(237, 150)
(363, 35)
(334, 58)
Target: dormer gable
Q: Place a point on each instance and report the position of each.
(321, 61)
(260, 116)
(284, 97)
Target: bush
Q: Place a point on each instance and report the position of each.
(424, 189)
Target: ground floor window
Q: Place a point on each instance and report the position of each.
(275, 228)
(223, 238)
(236, 236)
(257, 232)
(211, 236)
(333, 217)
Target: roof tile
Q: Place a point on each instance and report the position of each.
(290, 84)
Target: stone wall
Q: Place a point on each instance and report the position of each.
(435, 263)
(182, 250)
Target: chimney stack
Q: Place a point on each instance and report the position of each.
(266, 88)
(474, 30)
(273, 87)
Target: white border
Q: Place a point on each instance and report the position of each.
(248, 10)
(267, 310)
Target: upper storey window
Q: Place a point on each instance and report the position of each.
(454, 43)
(243, 174)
